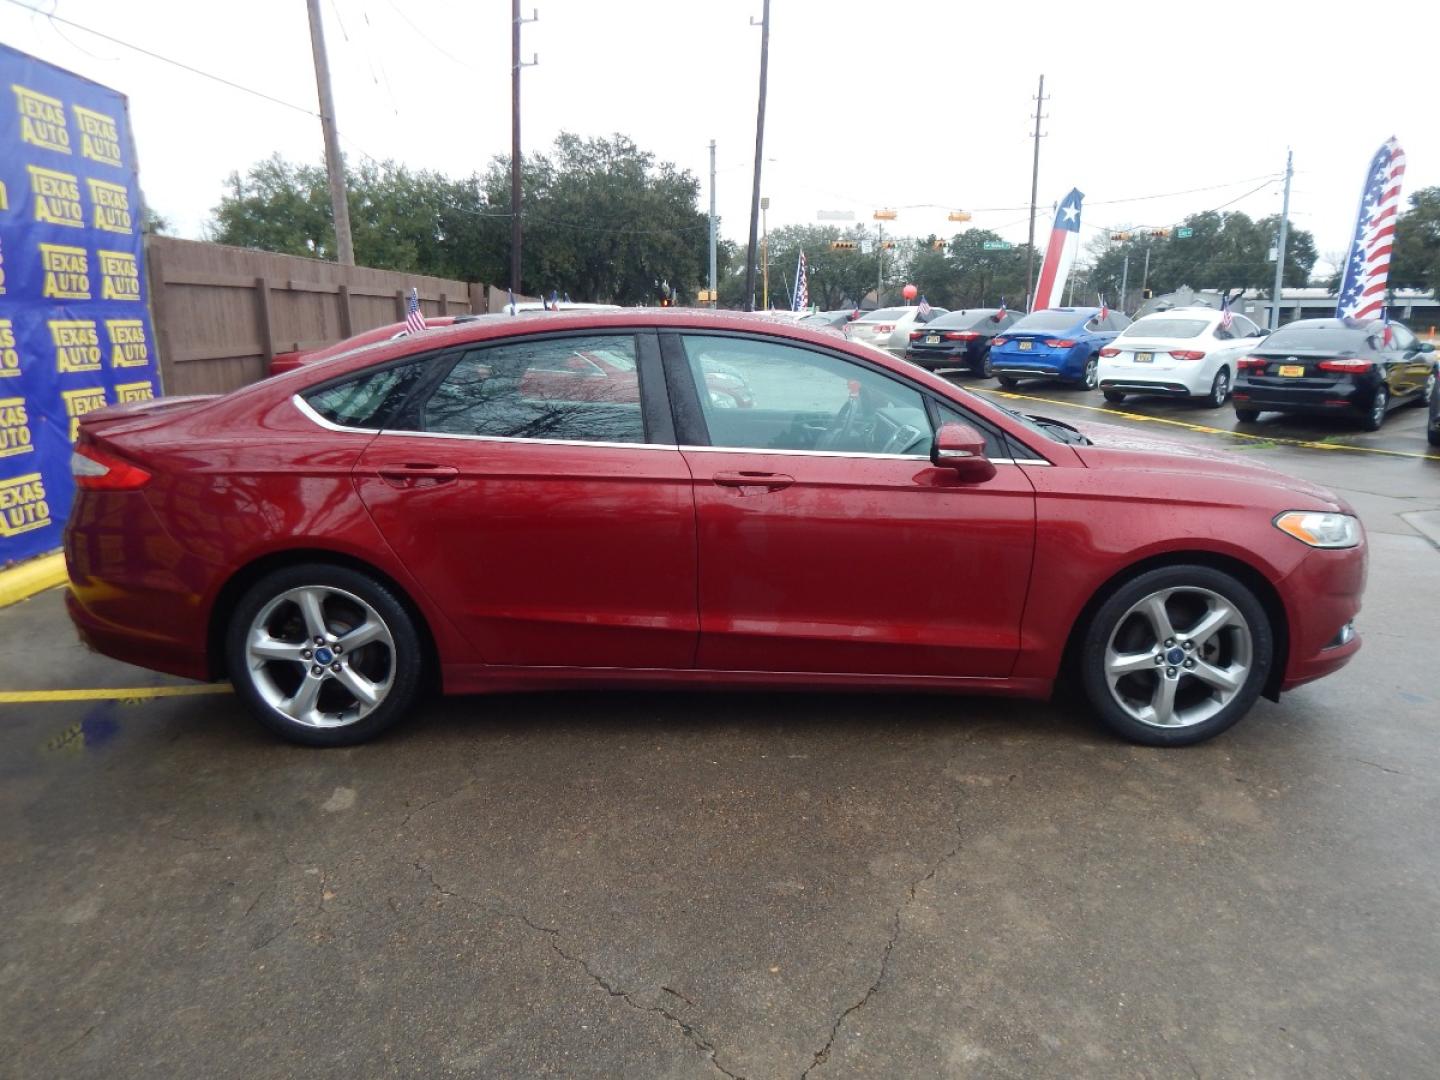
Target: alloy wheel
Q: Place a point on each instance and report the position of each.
(1429, 391)
(1092, 373)
(1220, 391)
(320, 656)
(1178, 656)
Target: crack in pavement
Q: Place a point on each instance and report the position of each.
(823, 1054)
(437, 801)
(696, 1037)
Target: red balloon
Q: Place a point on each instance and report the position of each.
(910, 292)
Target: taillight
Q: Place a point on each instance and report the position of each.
(95, 470)
(961, 335)
(1001, 341)
(1252, 363)
(1108, 351)
(1059, 343)
(916, 335)
(884, 328)
(1351, 364)
(1187, 354)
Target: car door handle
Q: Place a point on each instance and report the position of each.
(416, 474)
(764, 481)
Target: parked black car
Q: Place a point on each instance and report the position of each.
(1433, 430)
(960, 339)
(1335, 366)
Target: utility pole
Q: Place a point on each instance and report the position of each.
(764, 257)
(714, 299)
(759, 151)
(1034, 191)
(516, 64)
(334, 163)
(880, 267)
(1145, 277)
(1125, 281)
(1280, 244)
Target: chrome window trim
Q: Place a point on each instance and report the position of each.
(308, 411)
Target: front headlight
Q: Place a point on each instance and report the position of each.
(1320, 530)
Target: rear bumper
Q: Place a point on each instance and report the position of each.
(931, 359)
(1340, 398)
(1142, 386)
(135, 645)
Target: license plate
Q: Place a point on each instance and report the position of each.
(932, 339)
(1292, 371)
(1144, 358)
(1026, 344)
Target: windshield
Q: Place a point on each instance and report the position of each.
(1318, 337)
(889, 314)
(1047, 320)
(1166, 328)
(963, 319)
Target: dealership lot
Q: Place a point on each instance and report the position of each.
(744, 884)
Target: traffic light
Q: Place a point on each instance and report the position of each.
(1119, 237)
(937, 245)
(958, 215)
(887, 244)
(843, 245)
(1159, 234)
(1148, 294)
(885, 215)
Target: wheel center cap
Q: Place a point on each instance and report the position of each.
(1173, 657)
(324, 656)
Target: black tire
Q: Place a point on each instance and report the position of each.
(986, 368)
(1115, 609)
(1247, 416)
(1090, 377)
(1008, 382)
(1219, 389)
(1433, 434)
(1374, 419)
(1115, 396)
(1428, 391)
(401, 669)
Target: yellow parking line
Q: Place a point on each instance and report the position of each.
(1205, 429)
(131, 693)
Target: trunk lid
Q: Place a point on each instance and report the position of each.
(140, 415)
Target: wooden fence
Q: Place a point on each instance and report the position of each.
(222, 313)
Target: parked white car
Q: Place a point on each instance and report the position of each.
(889, 328)
(1184, 352)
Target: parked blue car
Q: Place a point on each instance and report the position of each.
(1058, 343)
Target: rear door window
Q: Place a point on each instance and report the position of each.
(371, 401)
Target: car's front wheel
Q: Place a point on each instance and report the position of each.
(1428, 390)
(1176, 655)
(324, 655)
(1114, 395)
(985, 368)
(1247, 416)
(1379, 405)
(1008, 382)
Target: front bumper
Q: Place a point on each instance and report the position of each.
(1322, 598)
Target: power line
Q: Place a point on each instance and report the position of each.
(426, 38)
(165, 59)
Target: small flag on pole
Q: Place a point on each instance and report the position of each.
(414, 320)
(554, 299)
(801, 300)
(1386, 336)
(924, 307)
(1000, 313)
(511, 294)
(1226, 319)
(1104, 310)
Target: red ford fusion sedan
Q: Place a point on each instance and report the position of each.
(459, 509)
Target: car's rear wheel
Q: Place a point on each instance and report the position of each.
(1247, 416)
(1379, 405)
(1428, 390)
(1176, 655)
(985, 368)
(1091, 376)
(1219, 389)
(1008, 382)
(324, 655)
(1114, 395)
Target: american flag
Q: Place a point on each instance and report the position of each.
(1385, 335)
(1104, 310)
(801, 300)
(1000, 314)
(1362, 291)
(924, 308)
(1226, 319)
(414, 321)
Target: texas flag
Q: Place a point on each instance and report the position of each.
(1060, 255)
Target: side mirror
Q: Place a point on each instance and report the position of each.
(961, 448)
(1426, 346)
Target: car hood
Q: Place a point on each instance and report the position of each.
(1121, 447)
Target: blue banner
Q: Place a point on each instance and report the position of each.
(75, 330)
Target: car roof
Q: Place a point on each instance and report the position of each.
(1335, 324)
(1207, 313)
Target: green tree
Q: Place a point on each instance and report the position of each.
(1416, 260)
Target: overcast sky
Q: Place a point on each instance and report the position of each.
(923, 106)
